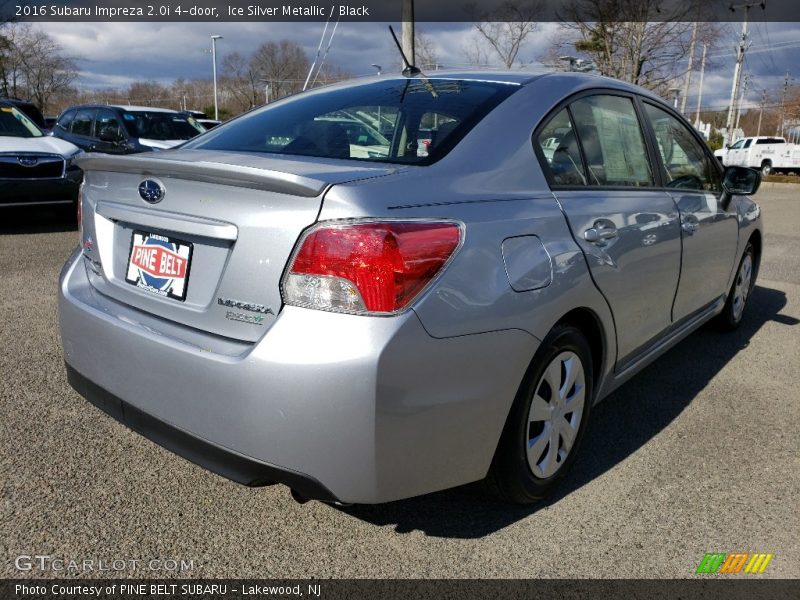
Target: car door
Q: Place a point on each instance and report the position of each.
(709, 232)
(108, 132)
(735, 155)
(81, 129)
(628, 229)
(62, 127)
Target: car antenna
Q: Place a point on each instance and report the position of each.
(411, 70)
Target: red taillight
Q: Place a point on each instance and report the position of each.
(368, 267)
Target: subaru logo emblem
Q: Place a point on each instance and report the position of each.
(151, 191)
(28, 161)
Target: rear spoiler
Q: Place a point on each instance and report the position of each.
(206, 171)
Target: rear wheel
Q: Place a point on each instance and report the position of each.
(742, 286)
(547, 420)
(766, 168)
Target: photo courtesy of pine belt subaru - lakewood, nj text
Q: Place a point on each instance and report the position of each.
(396, 285)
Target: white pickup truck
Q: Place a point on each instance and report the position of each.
(769, 154)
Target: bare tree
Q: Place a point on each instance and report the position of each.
(635, 40)
(241, 80)
(283, 65)
(506, 28)
(35, 66)
(425, 49)
(150, 93)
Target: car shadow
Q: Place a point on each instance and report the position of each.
(620, 425)
(21, 220)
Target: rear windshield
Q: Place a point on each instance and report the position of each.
(160, 125)
(411, 121)
(14, 123)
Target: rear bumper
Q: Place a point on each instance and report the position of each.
(341, 407)
(235, 467)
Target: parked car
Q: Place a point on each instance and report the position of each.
(762, 152)
(29, 109)
(365, 329)
(125, 129)
(35, 169)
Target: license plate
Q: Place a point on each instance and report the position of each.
(159, 264)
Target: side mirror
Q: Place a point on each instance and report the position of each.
(109, 134)
(741, 181)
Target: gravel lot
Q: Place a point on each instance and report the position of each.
(698, 453)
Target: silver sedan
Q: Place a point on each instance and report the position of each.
(392, 286)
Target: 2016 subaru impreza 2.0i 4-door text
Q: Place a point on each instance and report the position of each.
(364, 317)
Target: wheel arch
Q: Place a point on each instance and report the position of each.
(589, 324)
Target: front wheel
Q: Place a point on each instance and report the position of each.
(547, 420)
(740, 291)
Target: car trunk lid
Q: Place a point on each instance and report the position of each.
(210, 254)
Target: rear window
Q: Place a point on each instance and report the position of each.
(409, 121)
(771, 141)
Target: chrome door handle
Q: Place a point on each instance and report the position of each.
(599, 235)
(690, 227)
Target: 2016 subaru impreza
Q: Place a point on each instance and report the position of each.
(392, 286)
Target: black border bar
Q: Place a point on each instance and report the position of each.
(390, 11)
(713, 587)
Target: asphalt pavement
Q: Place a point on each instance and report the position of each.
(699, 453)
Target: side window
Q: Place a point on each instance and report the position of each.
(747, 143)
(107, 126)
(66, 120)
(612, 141)
(560, 148)
(686, 163)
(82, 124)
(737, 145)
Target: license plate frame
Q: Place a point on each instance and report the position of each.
(159, 264)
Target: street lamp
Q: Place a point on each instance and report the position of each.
(267, 85)
(214, 39)
(676, 92)
(377, 67)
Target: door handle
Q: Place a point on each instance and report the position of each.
(599, 235)
(690, 227)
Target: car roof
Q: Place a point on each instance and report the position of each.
(518, 77)
(128, 107)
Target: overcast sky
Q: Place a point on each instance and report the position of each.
(115, 54)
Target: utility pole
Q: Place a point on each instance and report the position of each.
(700, 89)
(407, 17)
(783, 105)
(689, 69)
(214, 39)
(741, 100)
(761, 112)
(737, 71)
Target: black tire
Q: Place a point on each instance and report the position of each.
(766, 168)
(730, 317)
(510, 475)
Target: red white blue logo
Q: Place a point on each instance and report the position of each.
(159, 264)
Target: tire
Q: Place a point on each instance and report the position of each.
(766, 168)
(743, 283)
(525, 468)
